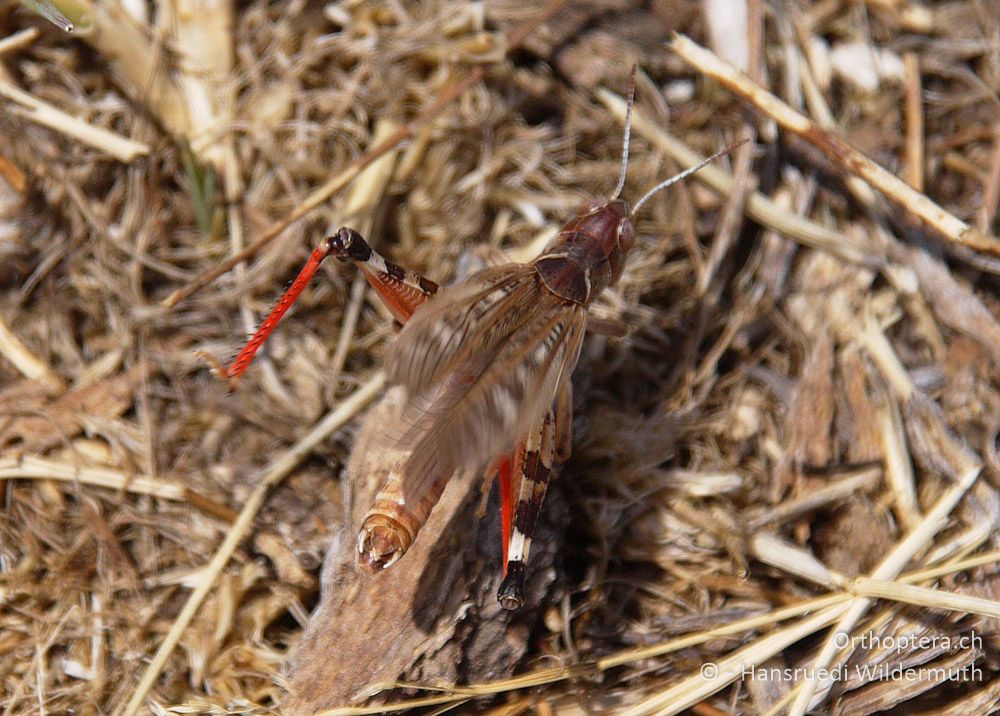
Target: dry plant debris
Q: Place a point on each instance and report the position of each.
(785, 459)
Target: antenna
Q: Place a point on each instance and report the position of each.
(684, 174)
(628, 136)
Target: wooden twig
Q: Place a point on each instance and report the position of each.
(924, 596)
(790, 558)
(836, 150)
(18, 40)
(914, 157)
(40, 468)
(862, 480)
(31, 467)
(30, 365)
(122, 149)
(898, 467)
(751, 33)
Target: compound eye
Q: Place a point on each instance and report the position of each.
(626, 236)
(590, 206)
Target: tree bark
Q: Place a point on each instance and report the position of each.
(433, 616)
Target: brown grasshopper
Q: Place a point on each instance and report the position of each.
(486, 367)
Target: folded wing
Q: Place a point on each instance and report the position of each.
(480, 364)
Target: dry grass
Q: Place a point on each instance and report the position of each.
(792, 448)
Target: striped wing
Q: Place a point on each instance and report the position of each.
(480, 362)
